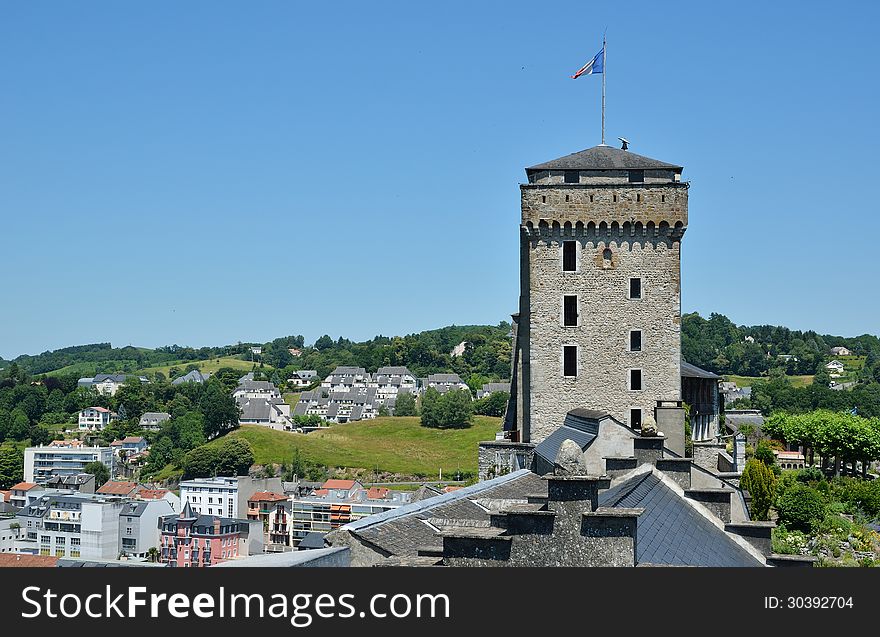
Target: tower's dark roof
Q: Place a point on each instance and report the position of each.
(603, 158)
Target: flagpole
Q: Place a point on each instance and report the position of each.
(604, 71)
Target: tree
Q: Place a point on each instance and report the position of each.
(219, 408)
(492, 405)
(764, 453)
(39, 436)
(153, 554)
(11, 465)
(452, 409)
(188, 431)
(801, 508)
(430, 410)
(235, 457)
(760, 481)
(99, 470)
(201, 462)
(325, 342)
(405, 405)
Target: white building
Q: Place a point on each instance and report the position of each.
(224, 496)
(444, 382)
(345, 378)
(389, 381)
(302, 378)
(840, 351)
(95, 418)
(63, 457)
(109, 384)
(152, 420)
(835, 367)
(256, 389)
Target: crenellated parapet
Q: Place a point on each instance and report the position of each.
(551, 231)
(573, 204)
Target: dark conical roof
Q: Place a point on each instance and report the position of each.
(187, 513)
(603, 158)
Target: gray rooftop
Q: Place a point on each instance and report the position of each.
(671, 531)
(548, 449)
(692, 371)
(603, 158)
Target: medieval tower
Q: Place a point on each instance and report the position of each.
(600, 297)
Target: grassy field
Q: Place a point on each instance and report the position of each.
(291, 399)
(209, 365)
(398, 445)
(748, 381)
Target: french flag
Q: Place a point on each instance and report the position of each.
(596, 65)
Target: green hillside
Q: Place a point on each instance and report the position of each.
(398, 445)
(209, 365)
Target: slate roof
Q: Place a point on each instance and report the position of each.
(194, 376)
(549, 447)
(603, 158)
(394, 371)
(692, 371)
(156, 415)
(405, 530)
(444, 378)
(671, 531)
(311, 540)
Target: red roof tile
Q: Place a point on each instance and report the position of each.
(338, 484)
(267, 496)
(20, 560)
(377, 493)
(22, 486)
(117, 488)
(152, 494)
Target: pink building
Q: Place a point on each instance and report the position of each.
(192, 540)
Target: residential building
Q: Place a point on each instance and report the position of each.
(74, 525)
(224, 496)
(79, 482)
(119, 488)
(160, 494)
(108, 384)
(491, 388)
(130, 445)
(189, 539)
(256, 389)
(152, 420)
(835, 367)
(23, 493)
(95, 418)
(194, 376)
(269, 412)
(139, 526)
(334, 504)
(10, 532)
(345, 378)
(444, 382)
(302, 377)
(63, 457)
(840, 351)
(388, 381)
(262, 506)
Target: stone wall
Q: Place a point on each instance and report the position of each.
(643, 230)
(500, 457)
(706, 454)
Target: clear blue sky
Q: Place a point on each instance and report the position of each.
(204, 173)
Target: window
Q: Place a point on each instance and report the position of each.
(635, 379)
(128, 530)
(663, 198)
(568, 197)
(571, 177)
(569, 360)
(59, 540)
(569, 256)
(74, 541)
(543, 199)
(635, 417)
(635, 288)
(570, 310)
(635, 340)
(615, 198)
(636, 176)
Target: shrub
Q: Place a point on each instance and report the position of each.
(760, 481)
(801, 508)
(810, 474)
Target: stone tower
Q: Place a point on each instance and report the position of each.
(600, 302)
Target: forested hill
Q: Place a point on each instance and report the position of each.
(486, 354)
(721, 346)
(716, 344)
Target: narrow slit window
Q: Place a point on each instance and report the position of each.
(569, 256)
(635, 340)
(615, 198)
(543, 199)
(638, 198)
(570, 310)
(635, 288)
(591, 198)
(635, 379)
(569, 360)
(663, 198)
(567, 197)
